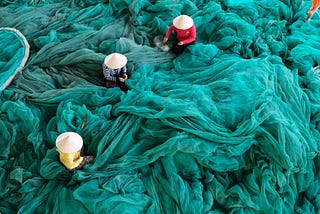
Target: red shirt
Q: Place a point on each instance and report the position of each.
(315, 5)
(186, 36)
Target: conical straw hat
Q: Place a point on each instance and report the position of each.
(69, 142)
(115, 60)
(183, 22)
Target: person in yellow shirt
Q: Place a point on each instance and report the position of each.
(314, 7)
(69, 146)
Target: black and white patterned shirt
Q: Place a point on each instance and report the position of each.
(113, 74)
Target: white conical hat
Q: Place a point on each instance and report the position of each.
(115, 60)
(69, 142)
(183, 22)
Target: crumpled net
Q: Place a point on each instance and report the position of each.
(230, 126)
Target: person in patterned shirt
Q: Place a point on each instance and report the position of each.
(115, 70)
(185, 33)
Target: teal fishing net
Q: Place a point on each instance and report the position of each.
(229, 126)
(14, 53)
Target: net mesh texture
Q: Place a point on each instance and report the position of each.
(229, 126)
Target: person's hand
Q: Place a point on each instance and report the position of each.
(307, 18)
(123, 78)
(180, 43)
(165, 40)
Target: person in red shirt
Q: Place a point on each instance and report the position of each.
(314, 7)
(185, 33)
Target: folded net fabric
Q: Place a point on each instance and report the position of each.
(230, 126)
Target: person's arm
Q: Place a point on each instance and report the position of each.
(124, 71)
(107, 75)
(166, 37)
(192, 36)
(315, 5)
(123, 74)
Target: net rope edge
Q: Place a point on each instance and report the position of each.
(24, 60)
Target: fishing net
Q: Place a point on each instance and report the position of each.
(229, 126)
(14, 54)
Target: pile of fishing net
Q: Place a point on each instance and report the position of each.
(229, 126)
